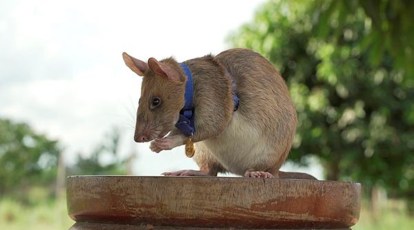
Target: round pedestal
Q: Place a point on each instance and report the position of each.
(131, 202)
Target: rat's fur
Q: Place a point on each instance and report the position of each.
(252, 141)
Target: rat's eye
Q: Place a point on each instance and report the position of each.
(155, 102)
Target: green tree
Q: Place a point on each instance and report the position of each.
(388, 29)
(352, 86)
(103, 160)
(27, 158)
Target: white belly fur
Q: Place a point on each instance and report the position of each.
(242, 147)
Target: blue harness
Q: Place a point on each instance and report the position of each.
(186, 121)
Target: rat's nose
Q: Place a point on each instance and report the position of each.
(141, 138)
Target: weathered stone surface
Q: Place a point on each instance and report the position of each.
(218, 202)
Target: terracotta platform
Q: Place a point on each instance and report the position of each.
(128, 202)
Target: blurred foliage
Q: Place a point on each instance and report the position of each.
(29, 161)
(388, 29)
(349, 67)
(104, 158)
(26, 158)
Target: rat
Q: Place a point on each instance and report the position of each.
(242, 119)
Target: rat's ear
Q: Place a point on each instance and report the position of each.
(164, 70)
(138, 66)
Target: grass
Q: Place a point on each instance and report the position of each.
(391, 215)
(45, 215)
(52, 214)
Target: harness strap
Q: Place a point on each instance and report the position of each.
(186, 120)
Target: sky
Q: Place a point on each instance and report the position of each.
(61, 69)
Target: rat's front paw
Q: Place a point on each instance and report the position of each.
(161, 144)
(166, 143)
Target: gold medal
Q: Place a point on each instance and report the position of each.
(189, 148)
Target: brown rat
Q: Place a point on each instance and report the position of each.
(252, 141)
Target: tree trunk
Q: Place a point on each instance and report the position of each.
(60, 177)
(332, 170)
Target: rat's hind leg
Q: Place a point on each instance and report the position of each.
(280, 175)
(187, 173)
(258, 174)
(209, 166)
(295, 175)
